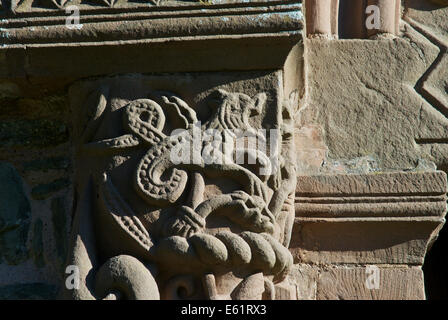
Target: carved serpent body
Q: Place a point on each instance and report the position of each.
(145, 118)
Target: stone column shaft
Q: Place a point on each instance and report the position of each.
(389, 17)
(321, 17)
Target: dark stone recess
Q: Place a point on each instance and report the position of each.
(15, 213)
(435, 268)
(28, 291)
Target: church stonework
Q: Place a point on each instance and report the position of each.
(218, 227)
(222, 150)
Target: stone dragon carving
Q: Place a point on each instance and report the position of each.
(178, 254)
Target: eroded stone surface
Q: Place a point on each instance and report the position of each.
(352, 283)
(357, 240)
(304, 278)
(360, 113)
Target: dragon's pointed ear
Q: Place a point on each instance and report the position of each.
(217, 97)
(259, 102)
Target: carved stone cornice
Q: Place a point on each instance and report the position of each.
(23, 6)
(233, 36)
(381, 218)
(154, 24)
(397, 194)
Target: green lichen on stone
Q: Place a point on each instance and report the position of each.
(54, 163)
(28, 291)
(38, 244)
(43, 191)
(59, 219)
(32, 133)
(15, 213)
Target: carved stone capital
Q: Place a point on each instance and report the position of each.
(168, 173)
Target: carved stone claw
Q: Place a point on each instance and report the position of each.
(184, 223)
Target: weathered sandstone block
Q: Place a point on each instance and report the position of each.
(352, 283)
(388, 218)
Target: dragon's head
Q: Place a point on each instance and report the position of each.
(238, 107)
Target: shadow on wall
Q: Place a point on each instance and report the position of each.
(435, 269)
(352, 18)
(425, 6)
